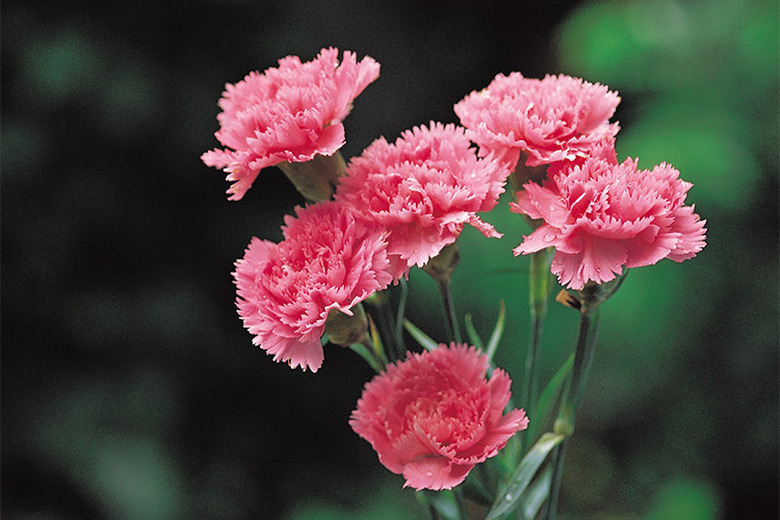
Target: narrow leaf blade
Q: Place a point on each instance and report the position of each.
(498, 331)
(363, 352)
(472, 332)
(422, 338)
(510, 496)
(544, 406)
(442, 501)
(537, 493)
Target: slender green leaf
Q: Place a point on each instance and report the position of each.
(401, 315)
(478, 481)
(498, 331)
(442, 501)
(363, 352)
(510, 496)
(376, 342)
(472, 332)
(536, 494)
(450, 315)
(422, 338)
(544, 406)
(460, 500)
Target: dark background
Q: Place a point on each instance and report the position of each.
(130, 389)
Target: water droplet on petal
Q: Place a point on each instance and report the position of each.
(429, 473)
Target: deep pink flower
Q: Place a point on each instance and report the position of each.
(289, 113)
(423, 189)
(434, 416)
(602, 216)
(327, 260)
(554, 119)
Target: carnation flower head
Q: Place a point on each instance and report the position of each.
(328, 260)
(288, 113)
(423, 189)
(554, 119)
(602, 216)
(433, 416)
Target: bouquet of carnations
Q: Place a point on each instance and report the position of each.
(436, 410)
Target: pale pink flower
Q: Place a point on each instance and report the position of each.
(554, 119)
(433, 416)
(289, 113)
(602, 216)
(423, 189)
(327, 260)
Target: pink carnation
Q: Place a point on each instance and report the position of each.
(423, 189)
(554, 119)
(327, 260)
(289, 113)
(602, 216)
(434, 416)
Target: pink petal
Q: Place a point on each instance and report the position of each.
(434, 473)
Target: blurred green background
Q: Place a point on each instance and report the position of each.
(131, 391)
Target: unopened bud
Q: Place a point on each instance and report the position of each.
(316, 179)
(523, 173)
(443, 265)
(347, 330)
(594, 294)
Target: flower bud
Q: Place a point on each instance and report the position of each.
(524, 173)
(441, 266)
(346, 330)
(316, 179)
(591, 295)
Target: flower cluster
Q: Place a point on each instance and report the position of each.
(290, 113)
(434, 416)
(601, 216)
(398, 205)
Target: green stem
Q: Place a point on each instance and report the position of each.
(400, 316)
(539, 277)
(463, 513)
(370, 355)
(539, 280)
(530, 389)
(389, 329)
(583, 359)
(555, 483)
(450, 316)
(385, 323)
(564, 424)
(317, 178)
